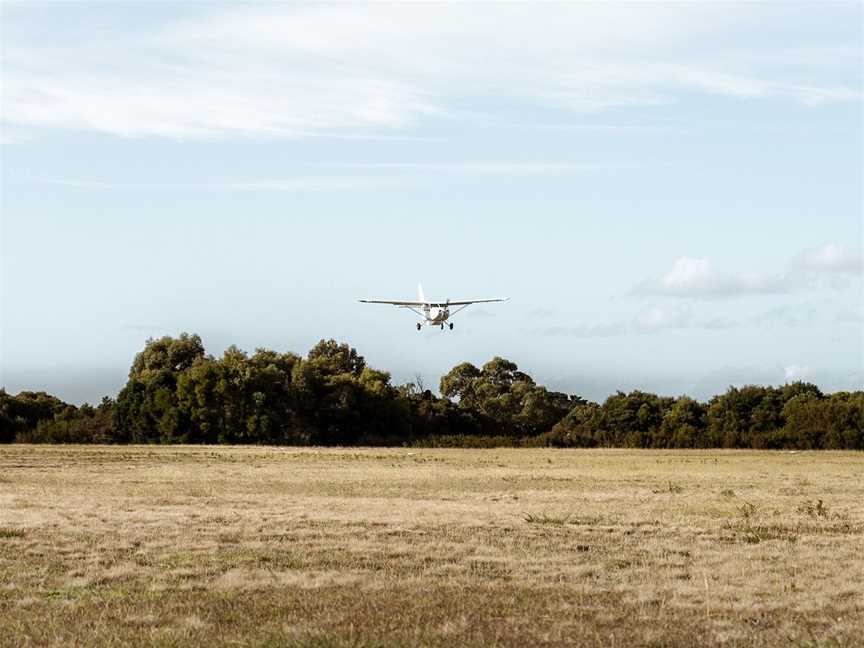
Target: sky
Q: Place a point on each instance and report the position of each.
(669, 194)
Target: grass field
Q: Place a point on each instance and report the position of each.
(368, 547)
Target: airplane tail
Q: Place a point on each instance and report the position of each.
(420, 294)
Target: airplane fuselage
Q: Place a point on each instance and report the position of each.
(435, 316)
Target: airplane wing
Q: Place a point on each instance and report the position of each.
(468, 302)
(393, 302)
(451, 302)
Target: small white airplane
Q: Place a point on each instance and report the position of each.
(434, 313)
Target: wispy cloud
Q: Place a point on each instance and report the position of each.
(720, 323)
(323, 183)
(697, 278)
(293, 184)
(648, 320)
(851, 314)
(541, 312)
(398, 174)
(299, 70)
(480, 168)
(790, 315)
(655, 318)
(611, 329)
(13, 136)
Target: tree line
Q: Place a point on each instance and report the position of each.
(177, 393)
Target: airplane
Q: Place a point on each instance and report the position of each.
(434, 313)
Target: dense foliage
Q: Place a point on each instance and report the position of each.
(176, 393)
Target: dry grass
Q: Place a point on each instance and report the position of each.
(377, 547)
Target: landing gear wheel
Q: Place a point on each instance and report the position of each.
(418, 326)
(451, 326)
(442, 327)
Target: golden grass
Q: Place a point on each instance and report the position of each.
(378, 547)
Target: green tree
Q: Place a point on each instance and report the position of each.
(334, 358)
(504, 399)
(683, 424)
(458, 384)
(147, 409)
(730, 417)
(199, 396)
(632, 420)
(580, 428)
(166, 354)
(806, 424)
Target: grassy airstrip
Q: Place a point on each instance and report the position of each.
(377, 547)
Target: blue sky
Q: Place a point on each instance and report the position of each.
(671, 194)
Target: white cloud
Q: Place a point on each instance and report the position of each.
(796, 372)
(830, 258)
(688, 271)
(695, 277)
(310, 69)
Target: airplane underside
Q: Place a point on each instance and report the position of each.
(437, 321)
